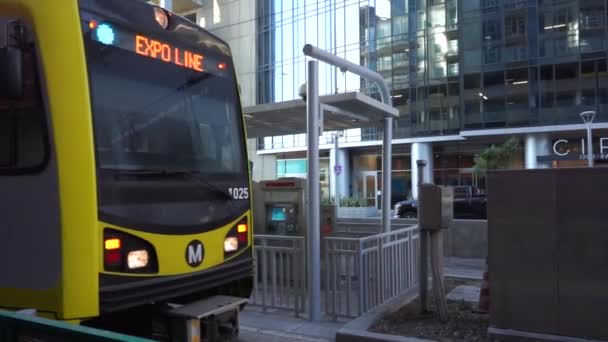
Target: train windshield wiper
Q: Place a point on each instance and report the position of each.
(186, 175)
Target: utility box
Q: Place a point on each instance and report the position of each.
(279, 207)
(436, 209)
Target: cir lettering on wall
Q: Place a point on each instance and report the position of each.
(572, 149)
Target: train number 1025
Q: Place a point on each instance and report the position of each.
(239, 193)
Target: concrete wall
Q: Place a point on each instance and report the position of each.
(368, 226)
(466, 239)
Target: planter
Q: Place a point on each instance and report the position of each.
(357, 212)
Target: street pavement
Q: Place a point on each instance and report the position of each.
(248, 334)
(464, 268)
(281, 325)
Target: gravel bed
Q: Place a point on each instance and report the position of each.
(464, 323)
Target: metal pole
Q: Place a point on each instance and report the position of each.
(336, 177)
(313, 200)
(423, 281)
(436, 237)
(386, 174)
(385, 94)
(589, 146)
(345, 65)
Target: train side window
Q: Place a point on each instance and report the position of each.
(23, 131)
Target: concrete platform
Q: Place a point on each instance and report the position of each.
(280, 325)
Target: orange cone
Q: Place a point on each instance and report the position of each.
(484, 294)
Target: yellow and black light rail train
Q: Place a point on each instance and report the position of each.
(124, 178)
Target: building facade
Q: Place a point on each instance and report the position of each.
(464, 74)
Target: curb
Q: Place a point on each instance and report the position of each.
(527, 336)
(356, 330)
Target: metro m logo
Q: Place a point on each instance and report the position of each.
(195, 253)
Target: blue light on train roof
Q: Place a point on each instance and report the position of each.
(105, 34)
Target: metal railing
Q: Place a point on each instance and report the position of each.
(360, 227)
(362, 273)
(280, 272)
(359, 271)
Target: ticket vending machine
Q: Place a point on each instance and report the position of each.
(279, 207)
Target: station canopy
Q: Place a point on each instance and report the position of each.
(340, 112)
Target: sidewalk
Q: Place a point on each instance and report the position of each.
(281, 325)
(464, 268)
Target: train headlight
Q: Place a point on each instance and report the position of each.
(231, 244)
(137, 259)
(126, 253)
(161, 17)
(236, 239)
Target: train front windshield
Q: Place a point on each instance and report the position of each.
(168, 132)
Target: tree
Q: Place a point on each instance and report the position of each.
(496, 157)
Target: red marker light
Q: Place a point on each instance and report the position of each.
(242, 233)
(222, 66)
(113, 258)
(92, 24)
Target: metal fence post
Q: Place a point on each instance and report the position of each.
(264, 275)
(410, 259)
(380, 269)
(363, 280)
(273, 276)
(328, 271)
(298, 270)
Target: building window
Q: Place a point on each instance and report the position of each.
(566, 76)
(491, 54)
(452, 15)
(489, 3)
(453, 69)
(491, 30)
(515, 26)
(592, 18)
(516, 53)
(291, 168)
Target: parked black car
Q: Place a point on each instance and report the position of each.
(467, 205)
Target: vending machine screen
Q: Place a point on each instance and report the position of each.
(282, 219)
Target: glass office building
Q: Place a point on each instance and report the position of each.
(452, 64)
(464, 74)
(454, 67)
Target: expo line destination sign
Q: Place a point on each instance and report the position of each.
(155, 49)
